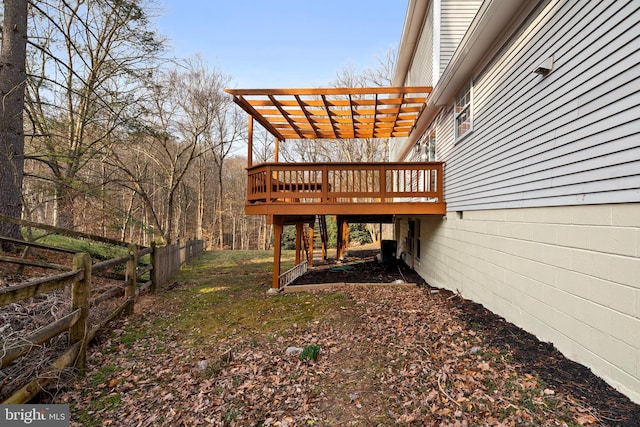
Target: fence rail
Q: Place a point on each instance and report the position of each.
(165, 261)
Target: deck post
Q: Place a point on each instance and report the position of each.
(250, 142)
(298, 242)
(339, 238)
(342, 236)
(277, 252)
(311, 231)
(345, 235)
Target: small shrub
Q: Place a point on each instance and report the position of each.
(310, 352)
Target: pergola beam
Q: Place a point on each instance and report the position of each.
(334, 113)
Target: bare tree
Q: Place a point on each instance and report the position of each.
(183, 124)
(206, 109)
(87, 64)
(228, 129)
(12, 78)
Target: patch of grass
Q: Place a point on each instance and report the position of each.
(103, 374)
(95, 249)
(310, 352)
(229, 416)
(160, 350)
(108, 402)
(83, 417)
(131, 336)
(226, 296)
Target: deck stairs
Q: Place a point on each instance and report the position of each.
(315, 240)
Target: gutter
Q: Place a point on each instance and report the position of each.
(493, 19)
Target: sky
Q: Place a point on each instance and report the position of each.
(282, 43)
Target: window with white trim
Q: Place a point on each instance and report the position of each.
(429, 148)
(463, 112)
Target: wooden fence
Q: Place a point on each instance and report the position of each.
(165, 261)
(168, 259)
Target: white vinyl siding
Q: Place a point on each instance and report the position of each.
(444, 26)
(566, 139)
(455, 17)
(420, 72)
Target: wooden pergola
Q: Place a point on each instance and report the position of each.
(333, 113)
(294, 193)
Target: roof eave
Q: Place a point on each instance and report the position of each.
(413, 23)
(491, 21)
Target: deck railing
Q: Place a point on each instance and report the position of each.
(345, 182)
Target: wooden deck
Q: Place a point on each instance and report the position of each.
(286, 189)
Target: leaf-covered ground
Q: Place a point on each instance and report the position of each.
(211, 350)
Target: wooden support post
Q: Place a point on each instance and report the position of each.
(276, 152)
(250, 141)
(343, 237)
(131, 276)
(324, 236)
(298, 242)
(277, 251)
(80, 291)
(339, 238)
(311, 245)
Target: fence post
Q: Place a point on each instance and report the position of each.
(154, 264)
(131, 277)
(80, 291)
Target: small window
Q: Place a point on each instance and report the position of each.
(426, 148)
(463, 112)
(429, 154)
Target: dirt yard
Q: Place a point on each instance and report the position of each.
(211, 349)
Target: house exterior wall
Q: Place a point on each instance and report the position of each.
(444, 25)
(455, 17)
(570, 275)
(568, 138)
(543, 196)
(419, 70)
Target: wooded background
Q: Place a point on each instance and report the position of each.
(122, 141)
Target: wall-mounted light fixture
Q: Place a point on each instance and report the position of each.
(545, 67)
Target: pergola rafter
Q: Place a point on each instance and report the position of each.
(335, 113)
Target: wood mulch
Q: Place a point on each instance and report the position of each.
(531, 355)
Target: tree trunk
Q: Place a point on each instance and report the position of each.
(12, 78)
(64, 215)
(220, 210)
(201, 198)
